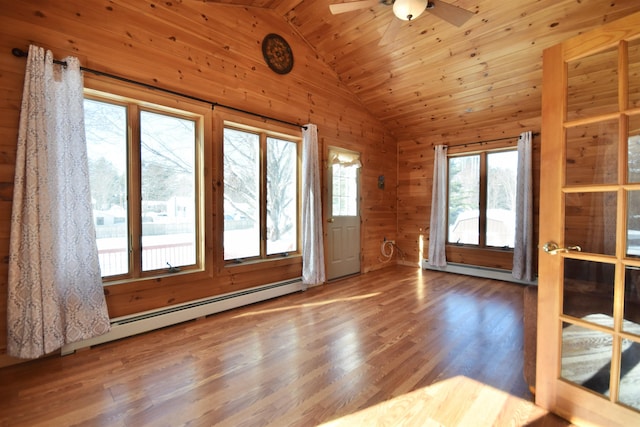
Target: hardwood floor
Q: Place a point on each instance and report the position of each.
(399, 346)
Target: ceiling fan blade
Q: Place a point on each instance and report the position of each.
(390, 33)
(350, 7)
(452, 14)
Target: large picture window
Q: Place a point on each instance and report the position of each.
(261, 188)
(482, 199)
(144, 173)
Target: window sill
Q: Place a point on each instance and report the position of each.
(478, 248)
(257, 264)
(485, 257)
(168, 277)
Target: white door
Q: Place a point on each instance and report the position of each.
(343, 214)
(588, 366)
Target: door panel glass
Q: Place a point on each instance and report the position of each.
(633, 142)
(592, 85)
(592, 324)
(344, 190)
(588, 291)
(586, 357)
(633, 223)
(634, 74)
(630, 374)
(631, 323)
(592, 153)
(590, 221)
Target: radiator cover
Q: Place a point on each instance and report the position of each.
(126, 326)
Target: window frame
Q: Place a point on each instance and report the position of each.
(136, 100)
(265, 130)
(482, 202)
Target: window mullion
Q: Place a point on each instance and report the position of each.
(263, 195)
(134, 194)
(482, 217)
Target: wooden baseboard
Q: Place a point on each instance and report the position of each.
(6, 360)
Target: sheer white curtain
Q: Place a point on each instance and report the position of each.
(438, 224)
(312, 244)
(523, 248)
(55, 293)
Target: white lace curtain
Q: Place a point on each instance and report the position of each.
(312, 244)
(523, 248)
(55, 293)
(438, 224)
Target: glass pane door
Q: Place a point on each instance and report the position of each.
(600, 336)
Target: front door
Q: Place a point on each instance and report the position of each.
(588, 366)
(343, 227)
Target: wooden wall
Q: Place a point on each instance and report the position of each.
(415, 180)
(208, 51)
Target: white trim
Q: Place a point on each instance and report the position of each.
(126, 326)
(478, 271)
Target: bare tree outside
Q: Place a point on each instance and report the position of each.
(167, 201)
(241, 152)
(464, 198)
(243, 170)
(106, 134)
(501, 198)
(281, 195)
(168, 194)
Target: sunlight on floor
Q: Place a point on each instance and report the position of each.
(314, 304)
(457, 401)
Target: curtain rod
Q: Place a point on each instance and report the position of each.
(466, 144)
(22, 54)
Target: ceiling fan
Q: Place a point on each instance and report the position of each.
(407, 10)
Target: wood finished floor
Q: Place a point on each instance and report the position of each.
(399, 346)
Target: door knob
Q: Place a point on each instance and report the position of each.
(329, 219)
(552, 248)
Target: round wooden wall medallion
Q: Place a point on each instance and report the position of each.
(277, 53)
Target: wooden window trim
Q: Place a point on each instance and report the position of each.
(480, 255)
(234, 120)
(142, 99)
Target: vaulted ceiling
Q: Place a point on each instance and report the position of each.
(436, 79)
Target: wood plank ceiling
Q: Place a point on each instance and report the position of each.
(435, 79)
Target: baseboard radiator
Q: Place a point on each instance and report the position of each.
(477, 271)
(126, 326)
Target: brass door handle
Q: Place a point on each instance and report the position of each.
(552, 248)
(329, 219)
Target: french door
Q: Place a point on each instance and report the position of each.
(588, 366)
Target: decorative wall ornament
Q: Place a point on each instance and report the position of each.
(277, 53)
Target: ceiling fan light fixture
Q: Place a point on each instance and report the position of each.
(409, 9)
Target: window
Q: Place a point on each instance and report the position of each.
(344, 182)
(144, 164)
(482, 199)
(260, 193)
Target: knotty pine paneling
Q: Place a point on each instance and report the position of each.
(436, 83)
(213, 52)
(415, 178)
(462, 67)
